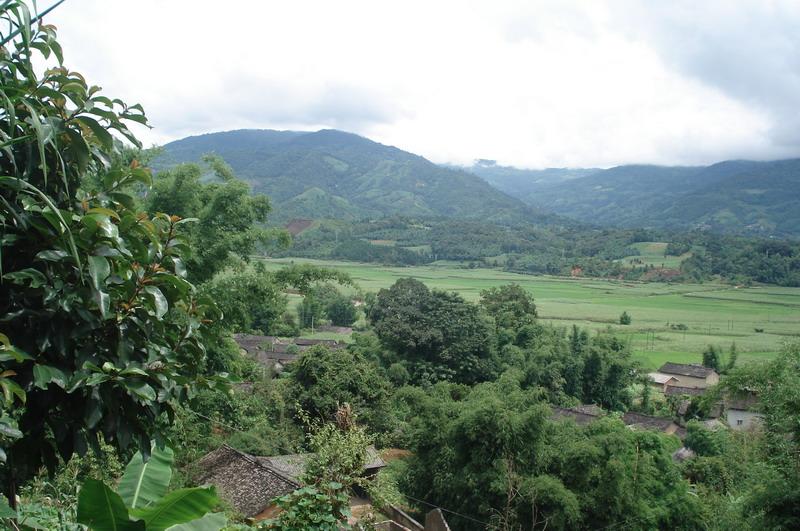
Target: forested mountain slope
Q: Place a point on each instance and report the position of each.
(741, 197)
(332, 174)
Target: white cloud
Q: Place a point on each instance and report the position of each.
(527, 83)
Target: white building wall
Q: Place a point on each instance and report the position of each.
(743, 420)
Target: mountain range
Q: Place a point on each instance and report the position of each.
(332, 174)
(336, 175)
(739, 196)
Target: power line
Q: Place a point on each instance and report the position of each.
(446, 510)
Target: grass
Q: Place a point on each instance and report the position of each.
(652, 253)
(716, 314)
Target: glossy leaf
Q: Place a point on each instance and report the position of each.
(145, 482)
(179, 507)
(101, 509)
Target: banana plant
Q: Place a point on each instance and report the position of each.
(142, 503)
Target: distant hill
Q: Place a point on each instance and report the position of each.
(337, 175)
(738, 197)
(521, 182)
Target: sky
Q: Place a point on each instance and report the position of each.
(532, 84)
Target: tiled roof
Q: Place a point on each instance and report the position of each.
(292, 465)
(247, 485)
(580, 414)
(677, 390)
(647, 422)
(682, 369)
(660, 378)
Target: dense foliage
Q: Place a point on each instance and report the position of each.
(102, 331)
(438, 335)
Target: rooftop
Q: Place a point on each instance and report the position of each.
(682, 369)
(247, 485)
(660, 378)
(677, 390)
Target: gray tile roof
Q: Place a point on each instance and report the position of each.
(683, 369)
(247, 485)
(677, 390)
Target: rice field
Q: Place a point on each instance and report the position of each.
(758, 319)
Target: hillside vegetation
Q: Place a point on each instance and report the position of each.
(738, 197)
(333, 174)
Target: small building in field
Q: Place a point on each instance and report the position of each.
(742, 412)
(690, 375)
(660, 381)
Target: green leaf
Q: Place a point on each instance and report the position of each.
(159, 301)
(99, 269)
(210, 522)
(140, 389)
(101, 509)
(179, 507)
(100, 132)
(33, 277)
(5, 510)
(11, 388)
(7, 430)
(144, 483)
(52, 255)
(44, 374)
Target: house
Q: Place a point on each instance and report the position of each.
(679, 390)
(742, 412)
(690, 375)
(275, 353)
(583, 414)
(249, 483)
(660, 380)
(292, 465)
(639, 421)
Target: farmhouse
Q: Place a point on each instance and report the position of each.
(583, 414)
(679, 390)
(275, 353)
(249, 483)
(661, 381)
(292, 465)
(742, 412)
(690, 375)
(638, 421)
(243, 482)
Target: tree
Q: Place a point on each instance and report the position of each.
(341, 311)
(510, 305)
(229, 219)
(439, 334)
(497, 455)
(322, 379)
(102, 332)
(624, 319)
(711, 358)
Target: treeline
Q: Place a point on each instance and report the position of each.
(551, 249)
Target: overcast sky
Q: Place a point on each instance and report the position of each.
(528, 83)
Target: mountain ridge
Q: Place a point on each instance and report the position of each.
(754, 198)
(358, 178)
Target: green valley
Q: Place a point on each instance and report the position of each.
(715, 314)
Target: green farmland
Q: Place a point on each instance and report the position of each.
(714, 313)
